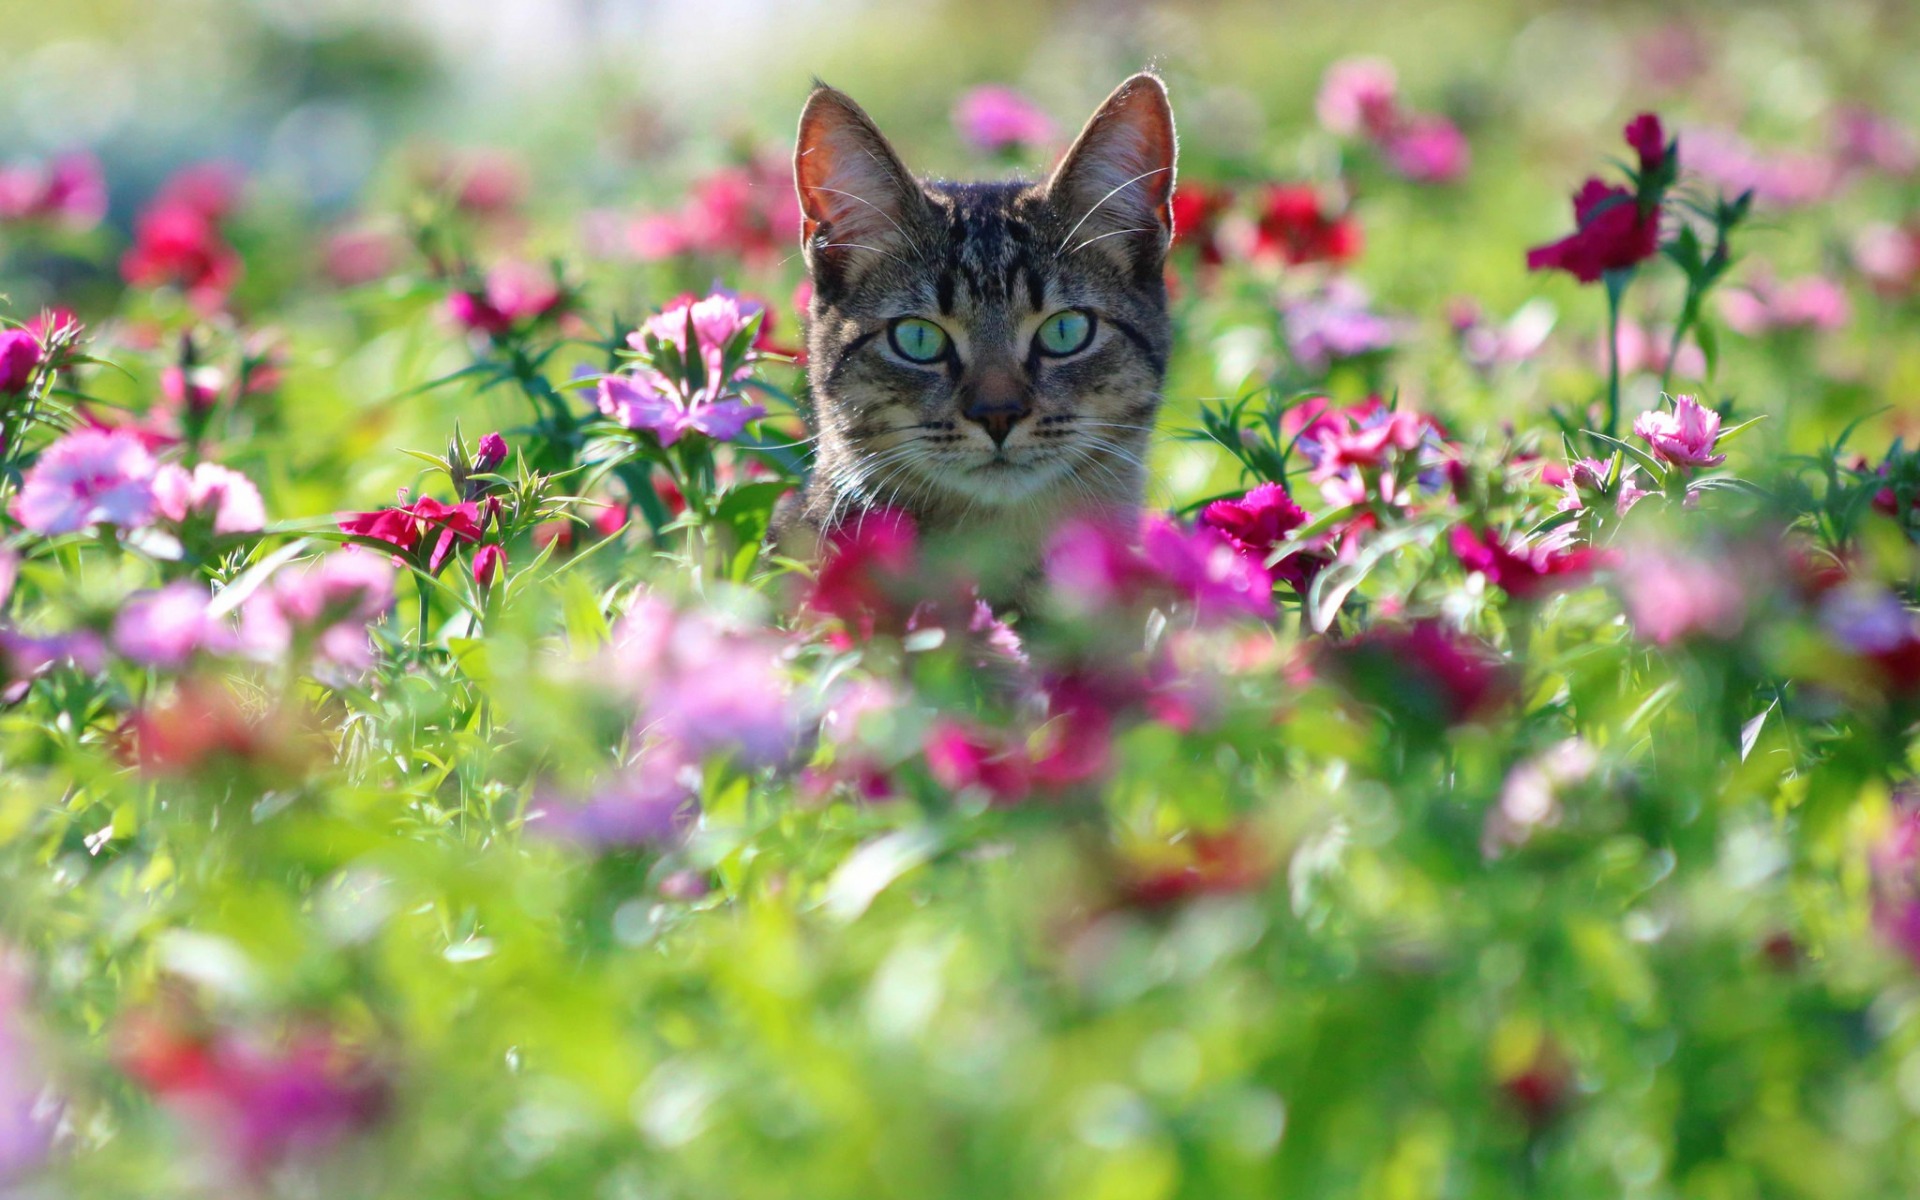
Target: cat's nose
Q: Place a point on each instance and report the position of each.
(997, 404)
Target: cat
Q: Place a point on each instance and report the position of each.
(986, 358)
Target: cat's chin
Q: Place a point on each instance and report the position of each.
(1004, 481)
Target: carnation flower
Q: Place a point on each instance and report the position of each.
(404, 527)
(89, 477)
(1683, 437)
(1296, 226)
(213, 492)
(513, 293)
(1766, 305)
(1613, 234)
(648, 400)
(164, 628)
(20, 356)
(992, 118)
(70, 192)
(1358, 96)
(327, 604)
(1427, 149)
(1523, 570)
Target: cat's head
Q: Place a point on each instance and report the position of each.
(982, 344)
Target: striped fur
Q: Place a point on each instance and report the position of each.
(987, 262)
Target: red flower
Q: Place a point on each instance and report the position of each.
(1295, 228)
(1197, 209)
(1521, 571)
(20, 355)
(403, 527)
(961, 757)
(1613, 234)
(489, 564)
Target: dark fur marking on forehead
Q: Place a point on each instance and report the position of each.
(944, 291)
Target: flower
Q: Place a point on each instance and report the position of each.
(178, 240)
(326, 604)
(704, 686)
(403, 527)
(993, 118)
(27, 1118)
(1521, 570)
(1672, 596)
(649, 400)
(749, 212)
(360, 255)
(211, 491)
(1530, 796)
(1295, 227)
(489, 454)
(1649, 142)
(1777, 178)
(1613, 233)
(513, 293)
(258, 1101)
(1765, 305)
(716, 321)
(635, 808)
(164, 628)
(1091, 566)
(20, 356)
(88, 477)
(1684, 437)
(866, 574)
(961, 757)
(1358, 96)
(489, 564)
(1427, 149)
(1428, 676)
(1197, 212)
(70, 191)
(1257, 523)
(1336, 322)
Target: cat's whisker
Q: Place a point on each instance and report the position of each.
(1102, 237)
(863, 246)
(1099, 204)
(875, 207)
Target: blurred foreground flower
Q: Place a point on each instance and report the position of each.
(27, 1110)
(89, 477)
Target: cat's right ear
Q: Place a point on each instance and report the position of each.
(856, 197)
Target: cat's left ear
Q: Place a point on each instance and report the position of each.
(1116, 182)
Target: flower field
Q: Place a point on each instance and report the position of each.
(1486, 768)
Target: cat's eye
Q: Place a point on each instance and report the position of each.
(1065, 332)
(917, 339)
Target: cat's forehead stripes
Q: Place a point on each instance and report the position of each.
(993, 256)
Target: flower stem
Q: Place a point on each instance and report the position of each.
(426, 602)
(1616, 288)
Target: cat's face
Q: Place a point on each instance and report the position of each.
(976, 346)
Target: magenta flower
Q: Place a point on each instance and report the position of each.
(963, 758)
(1358, 96)
(211, 493)
(513, 293)
(1524, 571)
(89, 477)
(1895, 864)
(1427, 149)
(716, 321)
(404, 527)
(489, 564)
(1612, 235)
(992, 118)
(164, 628)
(1429, 676)
(489, 454)
(20, 355)
(1683, 437)
(1092, 566)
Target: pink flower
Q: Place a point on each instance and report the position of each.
(360, 255)
(1257, 523)
(489, 564)
(327, 604)
(165, 627)
(178, 239)
(993, 118)
(27, 1119)
(1766, 305)
(20, 355)
(1588, 478)
(211, 491)
(1895, 864)
(194, 388)
(1427, 149)
(1671, 596)
(705, 687)
(716, 321)
(1644, 348)
(1779, 179)
(1865, 140)
(70, 191)
(1358, 96)
(89, 477)
(404, 527)
(963, 758)
(1683, 437)
(1523, 571)
(513, 293)
(867, 571)
(1612, 234)
(1427, 675)
(1091, 567)
(489, 454)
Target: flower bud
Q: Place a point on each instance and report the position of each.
(489, 564)
(19, 355)
(491, 452)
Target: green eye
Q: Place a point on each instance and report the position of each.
(918, 340)
(1066, 332)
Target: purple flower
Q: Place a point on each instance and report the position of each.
(993, 118)
(716, 321)
(327, 604)
(1336, 322)
(648, 400)
(651, 805)
(705, 688)
(90, 477)
(165, 627)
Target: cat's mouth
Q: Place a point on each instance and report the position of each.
(1005, 478)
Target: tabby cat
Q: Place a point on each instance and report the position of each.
(985, 357)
